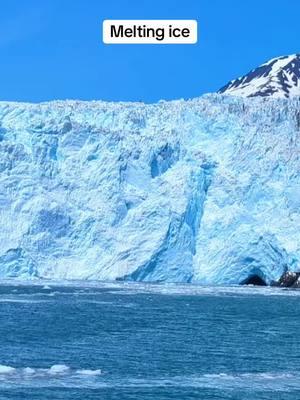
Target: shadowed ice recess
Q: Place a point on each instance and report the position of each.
(204, 191)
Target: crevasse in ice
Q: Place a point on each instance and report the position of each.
(205, 190)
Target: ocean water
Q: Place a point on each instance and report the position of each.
(135, 341)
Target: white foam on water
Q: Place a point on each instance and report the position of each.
(23, 301)
(249, 375)
(60, 375)
(266, 381)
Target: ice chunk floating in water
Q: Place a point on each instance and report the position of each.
(36, 373)
(4, 369)
(59, 369)
(204, 191)
(89, 372)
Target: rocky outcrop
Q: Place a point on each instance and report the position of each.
(288, 279)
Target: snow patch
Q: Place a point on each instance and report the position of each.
(278, 78)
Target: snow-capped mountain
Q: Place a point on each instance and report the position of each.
(204, 191)
(279, 77)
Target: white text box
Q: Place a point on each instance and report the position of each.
(150, 31)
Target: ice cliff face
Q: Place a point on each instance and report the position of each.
(206, 190)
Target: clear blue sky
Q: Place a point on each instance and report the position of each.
(52, 49)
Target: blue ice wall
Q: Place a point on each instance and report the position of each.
(206, 190)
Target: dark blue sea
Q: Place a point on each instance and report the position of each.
(145, 342)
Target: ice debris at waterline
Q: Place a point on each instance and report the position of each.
(205, 190)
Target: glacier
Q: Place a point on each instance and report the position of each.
(204, 190)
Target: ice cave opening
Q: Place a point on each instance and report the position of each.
(254, 280)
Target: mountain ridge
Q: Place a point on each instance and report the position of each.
(278, 78)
